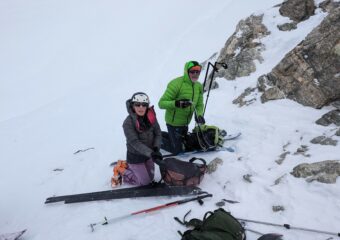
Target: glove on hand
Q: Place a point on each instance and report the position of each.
(156, 154)
(183, 103)
(200, 119)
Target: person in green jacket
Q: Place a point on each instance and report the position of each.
(181, 99)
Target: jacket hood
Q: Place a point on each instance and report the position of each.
(187, 66)
(129, 108)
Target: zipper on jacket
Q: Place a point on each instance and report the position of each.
(173, 117)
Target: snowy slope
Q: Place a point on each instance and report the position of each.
(66, 69)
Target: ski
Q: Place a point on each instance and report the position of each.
(218, 149)
(231, 136)
(152, 190)
(185, 154)
(64, 197)
(12, 236)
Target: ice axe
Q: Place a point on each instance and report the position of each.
(214, 66)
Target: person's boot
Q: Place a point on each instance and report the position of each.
(118, 172)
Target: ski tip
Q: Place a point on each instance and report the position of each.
(13, 235)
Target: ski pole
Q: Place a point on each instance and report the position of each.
(171, 204)
(224, 65)
(267, 236)
(287, 226)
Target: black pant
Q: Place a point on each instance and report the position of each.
(176, 137)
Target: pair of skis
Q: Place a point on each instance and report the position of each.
(151, 190)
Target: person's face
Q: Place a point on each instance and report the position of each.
(140, 108)
(194, 74)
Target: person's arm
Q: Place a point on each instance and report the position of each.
(167, 101)
(133, 140)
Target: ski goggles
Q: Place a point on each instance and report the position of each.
(195, 69)
(138, 104)
(194, 72)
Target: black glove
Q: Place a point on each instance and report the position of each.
(183, 103)
(200, 119)
(156, 155)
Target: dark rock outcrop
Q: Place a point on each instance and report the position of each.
(213, 165)
(244, 99)
(243, 48)
(328, 5)
(287, 26)
(336, 104)
(337, 133)
(329, 118)
(297, 10)
(310, 73)
(325, 171)
(324, 141)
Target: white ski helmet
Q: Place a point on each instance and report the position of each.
(140, 97)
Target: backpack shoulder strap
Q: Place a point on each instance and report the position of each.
(194, 222)
(200, 159)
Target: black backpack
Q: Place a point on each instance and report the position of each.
(217, 225)
(203, 137)
(181, 173)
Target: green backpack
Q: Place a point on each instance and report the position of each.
(204, 137)
(217, 225)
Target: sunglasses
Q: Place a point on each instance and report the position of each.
(140, 104)
(194, 72)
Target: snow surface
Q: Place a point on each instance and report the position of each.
(66, 69)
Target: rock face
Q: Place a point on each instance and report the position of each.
(242, 99)
(329, 118)
(297, 10)
(310, 73)
(336, 104)
(338, 133)
(324, 141)
(287, 26)
(325, 171)
(328, 5)
(243, 48)
(213, 165)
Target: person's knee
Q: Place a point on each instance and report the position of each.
(144, 181)
(144, 178)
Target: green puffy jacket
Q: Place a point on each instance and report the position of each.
(182, 88)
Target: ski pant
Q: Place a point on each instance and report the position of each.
(176, 137)
(139, 173)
